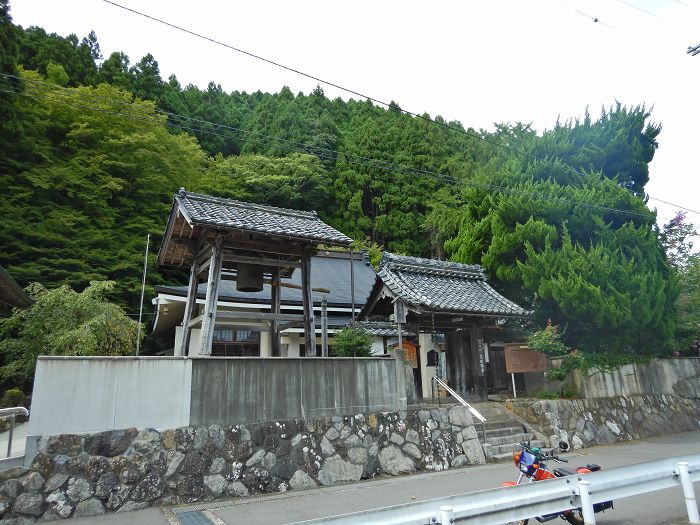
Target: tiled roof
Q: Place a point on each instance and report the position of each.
(206, 210)
(381, 329)
(11, 293)
(444, 286)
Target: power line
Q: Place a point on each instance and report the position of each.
(671, 204)
(320, 152)
(593, 18)
(307, 75)
(348, 90)
(628, 4)
(330, 154)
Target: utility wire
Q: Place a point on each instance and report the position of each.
(635, 7)
(351, 91)
(321, 152)
(308, 75)
(268, 139)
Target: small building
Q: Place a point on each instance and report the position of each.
(432, 297)
(251, 245)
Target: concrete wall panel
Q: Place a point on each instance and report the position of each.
(92, 394)
(249, 390)
(659, 376)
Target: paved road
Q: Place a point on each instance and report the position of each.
(658, 508)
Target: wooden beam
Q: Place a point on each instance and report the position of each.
(231, 276)
(202, 267)
(212, 298)
(190, 307)
(287, 326)
(308, 302)
(262, 316)
(190, 244)
(195, 322)
(275, 308)
(273, 247)
(262, 261)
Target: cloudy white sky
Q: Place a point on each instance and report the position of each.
(479, 61)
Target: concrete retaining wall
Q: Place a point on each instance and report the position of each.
(91, 394)
(660, 376)
(120, 470)
(245, 390)
(590, 422)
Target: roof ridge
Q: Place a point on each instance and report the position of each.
(249, 205)
(424, 265)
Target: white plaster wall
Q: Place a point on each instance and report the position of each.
(377, 346)
(292, 340)
(265, 344)
(92, 394)
(427, 372)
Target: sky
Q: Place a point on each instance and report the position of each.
(477, 61)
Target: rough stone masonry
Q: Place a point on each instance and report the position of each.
(589, 422)
(122, 470)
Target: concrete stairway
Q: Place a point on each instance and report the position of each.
(502, 432)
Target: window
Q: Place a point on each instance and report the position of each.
(231, 342)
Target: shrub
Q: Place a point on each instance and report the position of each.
(352, 342)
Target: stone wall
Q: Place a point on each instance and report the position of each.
(588, 422)
(121, 470)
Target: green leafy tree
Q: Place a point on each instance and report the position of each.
(95, 183)
(115, 71)
(297, 181)
(688, 305)
(62, 322)
(676, 237)
(351, 342)
(552, 241)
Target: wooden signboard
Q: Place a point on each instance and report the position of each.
(519, 358)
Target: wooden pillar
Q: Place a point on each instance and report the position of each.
(415, 328)
(309, 327)
(275, 308)
(209, 314)
(190, 308)
(478, 363)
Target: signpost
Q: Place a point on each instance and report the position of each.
(520, 359)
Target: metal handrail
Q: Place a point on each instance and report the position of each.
(12, 413)
(501, 505)
(454, 394)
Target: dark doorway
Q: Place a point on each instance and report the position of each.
(459, 371)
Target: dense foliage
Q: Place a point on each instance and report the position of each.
(62, 322)
(92, 151)
(352, 342)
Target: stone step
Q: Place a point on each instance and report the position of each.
(498, 432)
(510, 438)
(502, 458)
(510, 447)
(490, 425)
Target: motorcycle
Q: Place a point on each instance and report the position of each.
(531, 463)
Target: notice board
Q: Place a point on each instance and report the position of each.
(519, 358)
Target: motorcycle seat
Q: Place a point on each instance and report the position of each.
(560, 472)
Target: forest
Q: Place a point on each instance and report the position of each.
(93, 148)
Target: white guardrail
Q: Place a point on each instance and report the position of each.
(503, 505)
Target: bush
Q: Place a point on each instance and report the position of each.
(352, 342)
(13, 397)
(564, 392)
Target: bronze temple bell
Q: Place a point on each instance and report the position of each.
(250, 278)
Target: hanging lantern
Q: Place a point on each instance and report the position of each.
(250, 278)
